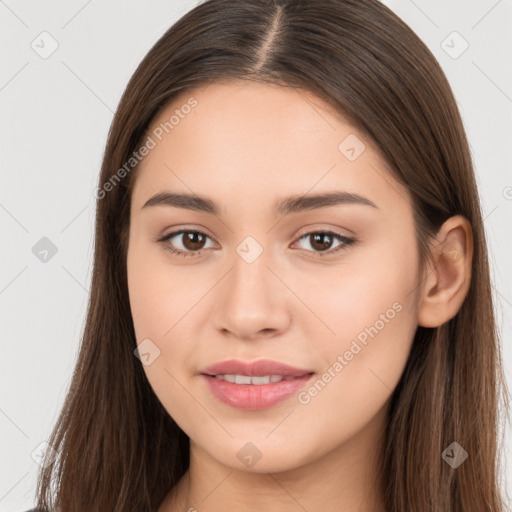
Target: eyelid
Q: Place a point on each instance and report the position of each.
(183, 229)
(321, 228)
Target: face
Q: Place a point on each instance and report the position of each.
(325, 286)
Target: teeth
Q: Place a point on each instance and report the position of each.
(246, 379)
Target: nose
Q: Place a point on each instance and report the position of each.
(252, 301)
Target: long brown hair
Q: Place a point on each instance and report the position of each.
(118, 448)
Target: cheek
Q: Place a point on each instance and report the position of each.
(371, 312)
(159, 294)
(368, 288)
(159, 311)
(148, 301)
(163, 300)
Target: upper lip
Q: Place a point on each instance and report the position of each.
(255, 368)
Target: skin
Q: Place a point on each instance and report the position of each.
(244, 146)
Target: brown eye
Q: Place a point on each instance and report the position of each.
(322, 241)
(192, 242)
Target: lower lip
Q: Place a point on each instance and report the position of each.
(253, 397)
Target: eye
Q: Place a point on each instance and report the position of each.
(322, 240)
(191, 244)
(194, 242)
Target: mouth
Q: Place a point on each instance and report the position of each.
(254, 393)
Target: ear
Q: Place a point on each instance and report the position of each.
(448, 275)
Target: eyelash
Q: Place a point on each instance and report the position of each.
(346, 242)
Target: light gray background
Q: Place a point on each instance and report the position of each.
(55, 115)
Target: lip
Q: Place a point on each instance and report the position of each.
(253, 397)
(254, 368)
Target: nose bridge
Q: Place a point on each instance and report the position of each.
(250, 275)
(250, 300)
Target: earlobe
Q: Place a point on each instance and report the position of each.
(449, 275)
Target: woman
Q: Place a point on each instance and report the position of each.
(291, 303)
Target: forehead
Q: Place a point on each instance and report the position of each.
(248, 139)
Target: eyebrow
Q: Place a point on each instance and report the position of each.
(284, 206)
